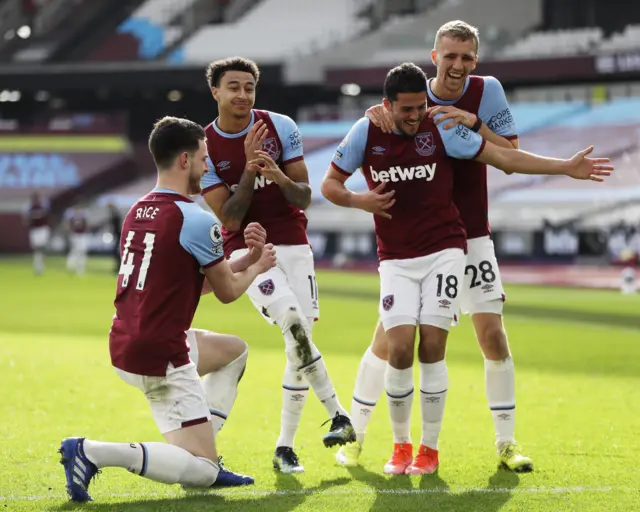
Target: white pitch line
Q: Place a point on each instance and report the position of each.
(337, 492)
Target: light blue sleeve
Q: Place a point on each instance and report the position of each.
(200, 234)
(289, 136)
(210, 178)
(459, 141)
(350, 153)
(494, 109)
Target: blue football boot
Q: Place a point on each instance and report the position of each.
(78, 470)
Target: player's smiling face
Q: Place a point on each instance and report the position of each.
(236, 93)
(455, 60)
(407, 111)
(197, 167)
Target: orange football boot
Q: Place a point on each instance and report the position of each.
(425, 463)
(400, 460)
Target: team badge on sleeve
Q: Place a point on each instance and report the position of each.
(387, 302)
(267, 287)
(425, 145)
(216, 236)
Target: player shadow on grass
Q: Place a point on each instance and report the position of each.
(398, 493)
(288, 495)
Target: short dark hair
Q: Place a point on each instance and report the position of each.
(216, 69)
(406, 77)
(171, 136)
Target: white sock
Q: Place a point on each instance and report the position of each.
(221, 388)
(38, 262)
(317, 375)
(399, 386)
(434, 381)
(81, 262)
(368, 388)
(499, 377)
(160, 462)
(295, 389)
(303, 354)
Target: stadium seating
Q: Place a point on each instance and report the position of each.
(150, 24)
(554, 43)
(628, 39)
(409, 37)
(266, 35)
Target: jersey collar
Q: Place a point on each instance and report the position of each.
(233, 135)
(439, 101)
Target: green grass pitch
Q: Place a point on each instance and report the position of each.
(577, 357)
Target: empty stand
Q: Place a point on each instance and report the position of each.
(554, 43)
(628, 39)
(267, 35)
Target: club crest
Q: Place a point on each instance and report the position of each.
(267, 287)
(271, 146)
(387, 302)
(425, 144)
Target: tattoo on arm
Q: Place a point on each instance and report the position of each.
(235, 208)
(297, 193)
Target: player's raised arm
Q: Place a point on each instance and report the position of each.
(461, 142)
(255, 237)
(228, 285)
(201, 237)
(231, 208)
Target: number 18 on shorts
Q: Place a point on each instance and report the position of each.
(422, 290)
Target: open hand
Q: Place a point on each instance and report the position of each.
(380, 117)
(454, 115)
(255, 138)
(582, 168)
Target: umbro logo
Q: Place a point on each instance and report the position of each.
(444, 303)
(224, 165)
(378, 150)
(487, 287)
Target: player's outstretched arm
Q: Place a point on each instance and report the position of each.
(579, 167)
(375, 201)
(228, 286)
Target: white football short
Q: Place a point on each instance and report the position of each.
(482, 291)
(177, 400)
(79, 242)
(293, 275)
(39, 237)
(423, 290)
